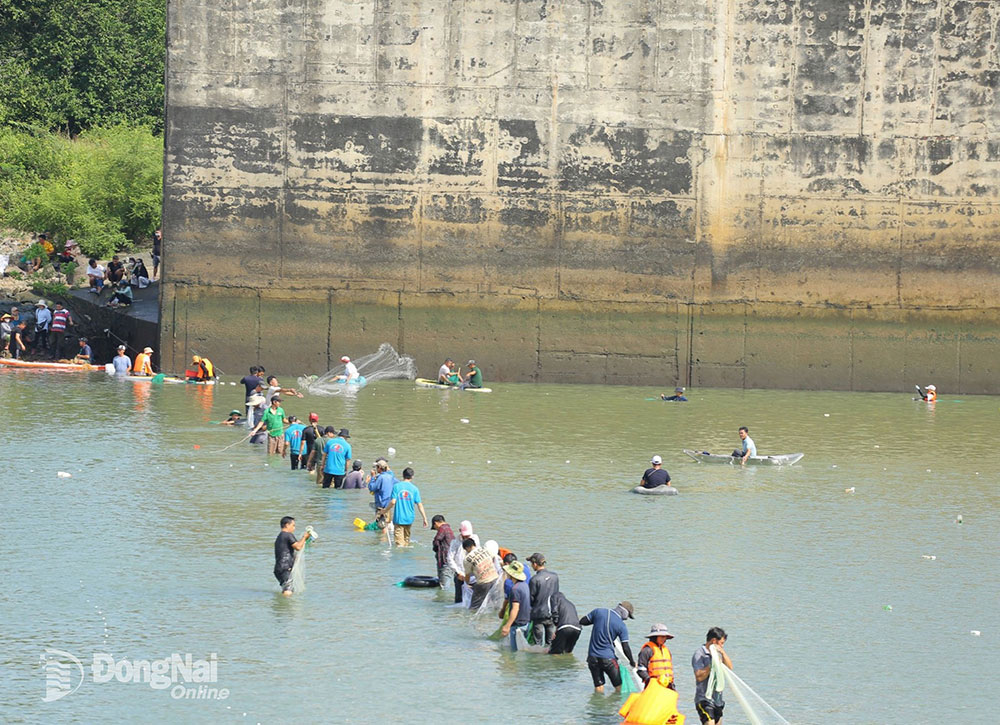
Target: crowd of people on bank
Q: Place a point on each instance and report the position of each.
(531, 609)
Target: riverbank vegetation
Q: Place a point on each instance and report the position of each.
(81, 119)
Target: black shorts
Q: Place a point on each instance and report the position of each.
(284, 577)
(565, 641)
(708, 710)
(601, 666)
(336, 478)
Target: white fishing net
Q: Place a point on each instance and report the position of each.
(299, 570)
(757, 711)
(383, 364)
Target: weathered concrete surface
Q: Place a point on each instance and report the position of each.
(721, 192)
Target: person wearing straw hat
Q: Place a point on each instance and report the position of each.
(43, 321)
(654, 657)
(519, 612)
(142, 365)
(6, 329)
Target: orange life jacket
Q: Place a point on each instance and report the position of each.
(205, 371)
(660, 663)
(142, 366)
(931, 396)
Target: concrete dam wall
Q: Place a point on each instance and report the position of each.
(759, 193)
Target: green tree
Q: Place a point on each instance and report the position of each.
(71, 65)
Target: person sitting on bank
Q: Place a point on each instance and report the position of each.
(115, 272)
(123, 296)
(84, 355)
(749, 448)
(203, 368)
(678, 396)
(656, 476)
(474, 378)
(235, 418)
(95, 275)
(142, 365)
(654, 658)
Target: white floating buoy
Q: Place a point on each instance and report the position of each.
(266, 465)
(192, 468)
(928, 470)
(877, 446)
(437, 449)
(826, 415)
(567, 461)
(975, 632)
(849, 490)
(392, 451)
(931, 557)
(834, 465)
(64, 474)
(464, 420)
(489, 461)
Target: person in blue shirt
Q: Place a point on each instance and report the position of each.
(84, 354)
(122, 363)
(609, 625)
(293, 442)
(405, 496)
(748, 449)
(338, 456)
(508, 583)
(381, 485)
(678, 396)
(519, 612)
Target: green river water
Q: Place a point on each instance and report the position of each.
(156, 547)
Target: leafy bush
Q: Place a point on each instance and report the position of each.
(49, 288)
(103, 189)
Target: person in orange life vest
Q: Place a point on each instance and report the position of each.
(654, 658)
(931, 395)
(203, 368)
(142, 365)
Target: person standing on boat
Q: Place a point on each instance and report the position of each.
(656, 476)
(749, 448)
(18, 340)
(61, 319)
(709, 704)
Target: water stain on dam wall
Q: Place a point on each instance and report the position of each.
(734, 192)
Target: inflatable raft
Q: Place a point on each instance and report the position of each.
(784, 459)
(663, 490)
(167, 379)
(425, 383)
(40, 365)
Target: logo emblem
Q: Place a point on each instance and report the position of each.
(61, 670)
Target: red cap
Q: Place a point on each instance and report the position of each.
(313, 417)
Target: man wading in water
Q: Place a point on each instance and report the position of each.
(285, 547)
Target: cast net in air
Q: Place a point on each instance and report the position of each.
(383, 364)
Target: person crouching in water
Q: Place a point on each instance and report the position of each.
(654, 657)
(285, 547)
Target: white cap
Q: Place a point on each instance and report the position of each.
(656, 460)
(931, 387)
(345, 359)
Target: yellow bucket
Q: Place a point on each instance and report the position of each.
(360, 524)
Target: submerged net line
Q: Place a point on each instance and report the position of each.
(758, 712)
(383, 364)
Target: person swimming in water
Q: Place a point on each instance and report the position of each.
(678, 395)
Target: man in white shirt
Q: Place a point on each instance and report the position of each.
(444, 371)
(95, 273)
(748, 449)
(350, 370)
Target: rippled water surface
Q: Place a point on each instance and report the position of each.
(160, 544)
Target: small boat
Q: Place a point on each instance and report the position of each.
(784, 459)
(41, 365)
(425, 383)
